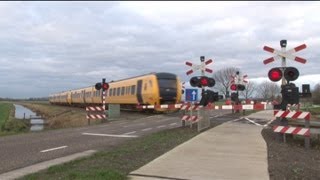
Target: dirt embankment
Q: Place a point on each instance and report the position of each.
(291, 160)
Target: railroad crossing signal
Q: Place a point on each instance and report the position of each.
(237, 82)
(285, 54)
(290, 73)
(201, 67)
(290, 93)
(104, 86)
(202, 81)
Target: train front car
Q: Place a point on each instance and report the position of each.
(169, 90)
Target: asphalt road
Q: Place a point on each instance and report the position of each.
(23, 150)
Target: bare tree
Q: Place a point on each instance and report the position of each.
(249, 91)
(268, 90)
(223, 79)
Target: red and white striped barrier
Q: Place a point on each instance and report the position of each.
(190, 118)
(94, 108)
(95, 112)
(292, 114)
(167, 106)
(96, 116)
(189, 106)
(292, 130)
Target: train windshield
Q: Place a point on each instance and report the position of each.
(168, 87)
(167, 83)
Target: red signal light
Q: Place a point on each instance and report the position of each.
(233, 87)
(204, 81)
(105, 86)
(275, 74)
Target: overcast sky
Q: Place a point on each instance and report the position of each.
(48, 47)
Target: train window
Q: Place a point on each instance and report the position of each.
(145, 86)
(114, 91)
(122, 91)
(110, 92)
(133, 89)
(118, 91)
(167, 83)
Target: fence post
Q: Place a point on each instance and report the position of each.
(307, 138)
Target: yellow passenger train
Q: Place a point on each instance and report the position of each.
(148, 89)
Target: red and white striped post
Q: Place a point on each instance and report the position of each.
(99, 112)
(104, 100)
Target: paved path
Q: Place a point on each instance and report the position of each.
(232, 150)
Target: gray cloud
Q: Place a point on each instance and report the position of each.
(47, 47)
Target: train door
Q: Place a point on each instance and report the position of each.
(139, 92)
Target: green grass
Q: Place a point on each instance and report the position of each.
(8, 124)
(314, 110)
(5, 110)
(119, 162)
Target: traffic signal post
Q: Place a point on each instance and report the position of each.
(207, 96)
(237, 84)
(290, 93)
(98, 112)
(203, 81)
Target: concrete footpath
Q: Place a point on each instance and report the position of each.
(232, 150)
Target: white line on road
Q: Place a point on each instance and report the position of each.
(109, 135)
(130, 132)
(52, 149)
(162, 126)
(172, 124)
(146, 129)
(236, 119)
(252, 122)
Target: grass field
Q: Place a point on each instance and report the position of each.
(120, 161)
(8, 124)
(5, 110)
(314, 110)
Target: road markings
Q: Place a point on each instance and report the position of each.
(236, 119)
(270, 121)
(130, 132)
(52, 149)
(252, 122)
(109, 135)
(146, 129)
(162, 126)
(172, 124)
